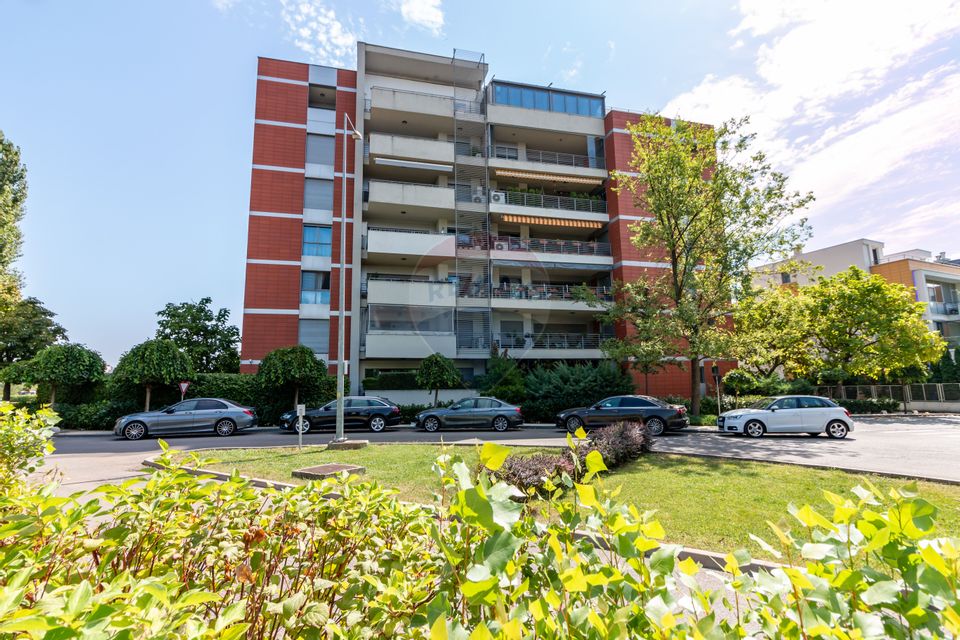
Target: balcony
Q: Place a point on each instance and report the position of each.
(423, 104)
(400, 344)
(944, 308)
(551, 345)
(558, 297)
(546, 157)
(382, 146)
(392, 197)
(385, 245)
(545, 205)
(428, 293)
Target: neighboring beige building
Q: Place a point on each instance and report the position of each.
(935, 280)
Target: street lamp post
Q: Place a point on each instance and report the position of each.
(341, 314)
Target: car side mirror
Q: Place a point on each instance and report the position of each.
(169, 411)
(773, 408)
(454, 407)
(596, 406)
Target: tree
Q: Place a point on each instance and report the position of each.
(292, 370)
(716, 208)
(207, 337)
(644, 349)
(863, 325)
(26, 327)
(772, 331)
(63, 365)
(437, 372)
(503, 379)
(13, 195)
(154, 363)
(946, 370)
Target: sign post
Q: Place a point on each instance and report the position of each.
(301, 410)
(184, 385)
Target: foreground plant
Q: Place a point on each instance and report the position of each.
(178, 556)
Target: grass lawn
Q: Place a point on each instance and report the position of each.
(706, 503)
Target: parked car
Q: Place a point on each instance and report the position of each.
(196, 415)
(476, 413)
(371, 412)
(656, 414)
(788, 414)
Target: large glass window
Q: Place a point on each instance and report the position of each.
(315, 334)
(316, 241)
(547, 100)
(410, 319)
(319, 149)
(314, 287)
(318, 194)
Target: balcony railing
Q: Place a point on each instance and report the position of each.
(459, 104)
(544, 201)
(549, 340)
(530, 291)
(397, 279)
(547, 157)
(945, 308)
(429, 232)
(540, 245)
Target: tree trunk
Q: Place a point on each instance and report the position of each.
(6, 391)
(695, 386)
(436, 396)
(146, 402)
(646, 384)
(53, 394)
(296, 397)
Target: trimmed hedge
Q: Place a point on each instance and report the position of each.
(92, 416)
(870, 405)
(391, 380)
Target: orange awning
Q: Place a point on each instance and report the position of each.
(552, 177)
(552, 222)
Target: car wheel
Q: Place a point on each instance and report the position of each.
(431, 424)
(754, 429)
(573, 423)
(837, 430)
(500, 424)
(302, 426)
(135, 431)
(377, 423)
(655, 426)
(225, 427)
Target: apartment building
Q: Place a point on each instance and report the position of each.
(473, 209)
(935, 280)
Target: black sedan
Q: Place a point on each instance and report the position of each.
(371, 412)
(476, 413)
(653, 412)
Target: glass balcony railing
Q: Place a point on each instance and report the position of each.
(544, 292)
(944, 308)
(544, 201)
(549, 340)
(547, 157)
(538, 245)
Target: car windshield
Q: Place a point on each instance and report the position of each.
(762, 404)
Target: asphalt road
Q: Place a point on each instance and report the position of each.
(922, 447)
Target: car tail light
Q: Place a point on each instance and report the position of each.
(248, 412)
(847, 411)
(518, 409)
(395, 410)
(682, 409)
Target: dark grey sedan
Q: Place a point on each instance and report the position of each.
(474, 413)
(197, 415)
(656, 414)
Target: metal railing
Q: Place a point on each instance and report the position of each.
(547, 157)
(543, 245)
(405, 182)
(401, 230)
(530, 291)
(940, 392)
(944, 308)
(543, 201)
(459, 104)
(548, 340)
(364, 285)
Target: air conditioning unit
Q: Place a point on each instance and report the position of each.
(498, 197)
(478, 199)
(501, 246)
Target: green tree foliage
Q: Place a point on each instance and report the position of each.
(13, 195)
(552, 388)
(644, 350)
(206, 336)
(153, 363)
(26, 327)
(437, 372)
(863, 325)
(717, 207)
(773, 331)
(24, 442)
(290, 371)
(503, 379)
(65, 365)
(946, 370)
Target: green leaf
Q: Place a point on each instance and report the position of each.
(79, 599)
(492, 455)
(885, 592)
(499, 549)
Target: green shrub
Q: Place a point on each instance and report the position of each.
(24, 441)
(703, 420)
(92, 416)
(241, 388)
(871, 405)
(391, 380)
(503, 379)
(552, 388)
(179, 557)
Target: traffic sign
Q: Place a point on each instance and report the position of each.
(183, 388)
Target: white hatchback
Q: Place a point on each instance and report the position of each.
(788, 414)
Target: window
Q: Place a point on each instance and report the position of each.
(315, 334)
(785, 403)
(487, 403)
(876, 255)
(466, 403)
(314, 287)
(556, 102)
(635, 402)
(785, 278)
(812, 403)
(318, 194)
(541, 100)
(316, 240)
(319, 149)
(188, 405)
(547, 100)
(410, 319)
(610, 403)
(210, 405)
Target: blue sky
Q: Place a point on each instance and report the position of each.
(136, 118)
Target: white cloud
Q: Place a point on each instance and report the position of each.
(315, 29)
(844, 96)
(224, 5)
(573, 71)
(426, 14)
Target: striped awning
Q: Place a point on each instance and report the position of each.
(552, 177)
(552, 222)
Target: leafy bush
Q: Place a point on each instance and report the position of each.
(618, 443)
(241, 388)
(24, 441)
(871, 405)
(532, 473)
(92, 416)
(183, 557)
(708, 404)
(552, 388)
(391, 380)
(703, 420)
(503, 380)
(436, 372)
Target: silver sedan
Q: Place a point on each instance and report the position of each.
(197, 415)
